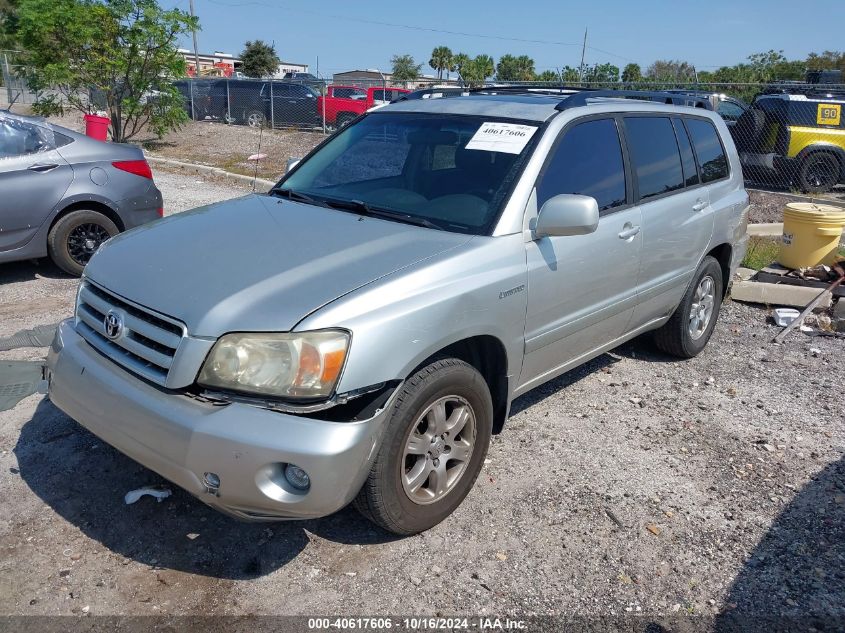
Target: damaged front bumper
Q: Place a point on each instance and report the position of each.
(184, 440)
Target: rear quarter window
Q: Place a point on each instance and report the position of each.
(708, 149)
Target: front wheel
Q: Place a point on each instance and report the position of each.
(433, 448)
(686, 333)
(76, 236)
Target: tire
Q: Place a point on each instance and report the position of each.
(76, 236)
(388, 497)
(819, 172)
(680, 336)
(344, 119)
(256, 119)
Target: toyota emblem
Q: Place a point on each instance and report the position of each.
(113, 324)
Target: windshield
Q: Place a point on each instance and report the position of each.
(449, 172)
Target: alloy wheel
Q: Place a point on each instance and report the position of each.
(701, 310)
(438, 449)
(84, 240)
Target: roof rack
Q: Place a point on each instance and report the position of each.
(578, 96)
(581, 98)
(575, 96)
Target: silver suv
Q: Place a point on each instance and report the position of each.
(358, 333)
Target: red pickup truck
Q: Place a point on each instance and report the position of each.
(344, 103)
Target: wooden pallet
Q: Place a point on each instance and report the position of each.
(776, 274)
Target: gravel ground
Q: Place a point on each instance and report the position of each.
(224, 146)
(767, 205)
(635, 485)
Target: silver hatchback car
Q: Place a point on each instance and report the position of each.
(358, 333)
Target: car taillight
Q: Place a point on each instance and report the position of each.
(137, 167)
(161, 212)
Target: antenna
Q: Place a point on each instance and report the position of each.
(583, 51)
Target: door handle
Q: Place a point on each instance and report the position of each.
(42, 167)
(628, 232)
(699, 205)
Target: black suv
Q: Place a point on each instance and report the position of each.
(248, 102)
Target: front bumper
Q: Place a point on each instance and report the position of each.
(182, 438)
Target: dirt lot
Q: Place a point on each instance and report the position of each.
(224, 146)
(636, 485)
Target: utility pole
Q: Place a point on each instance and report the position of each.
(196, 52)
(583, 51)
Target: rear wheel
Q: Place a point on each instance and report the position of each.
(345, 118)
(819, 172)
(256, 119)
(686, 333)
(433, 449)
(76, 237)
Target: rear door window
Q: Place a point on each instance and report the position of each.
(587, 161)
(708, 148)
(687, 157)
(654, 150)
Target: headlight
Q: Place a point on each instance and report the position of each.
(303, 365)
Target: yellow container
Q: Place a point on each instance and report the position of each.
(811, 234)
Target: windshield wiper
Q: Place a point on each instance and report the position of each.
(297, 196)
(359, 206)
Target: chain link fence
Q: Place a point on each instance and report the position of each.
(15, 89)
(789, 135)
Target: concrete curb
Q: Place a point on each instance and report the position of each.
(768, 229)
(260, 183)
(773, 229)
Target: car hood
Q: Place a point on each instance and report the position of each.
(257, 263)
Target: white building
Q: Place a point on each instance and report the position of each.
(290, 67)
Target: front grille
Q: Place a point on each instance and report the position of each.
(148, 342)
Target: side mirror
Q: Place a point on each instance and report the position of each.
(567, 214)
(292, 162)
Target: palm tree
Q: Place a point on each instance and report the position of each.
(525, 68)
(486, 66)
(458, 62)
(441, 59)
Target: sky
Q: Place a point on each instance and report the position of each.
(351, 35)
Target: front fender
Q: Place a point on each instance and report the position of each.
(404, 318)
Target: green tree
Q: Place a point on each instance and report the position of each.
(828, 60)
(549, 77)
(475, 71)
(123, 49)
(259, 59)
(631, 73)
(8, 24)
(601, 73)
(441, 60)
(486, 65)
(405, 68)
(459, 60)
(570, 75)
(670, 71)
(511, 68)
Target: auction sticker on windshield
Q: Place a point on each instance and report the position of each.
(509, 138)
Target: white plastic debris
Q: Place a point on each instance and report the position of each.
(159, 493)
(785, 316)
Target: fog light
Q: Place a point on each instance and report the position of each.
(211, 482)
(297, 477)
